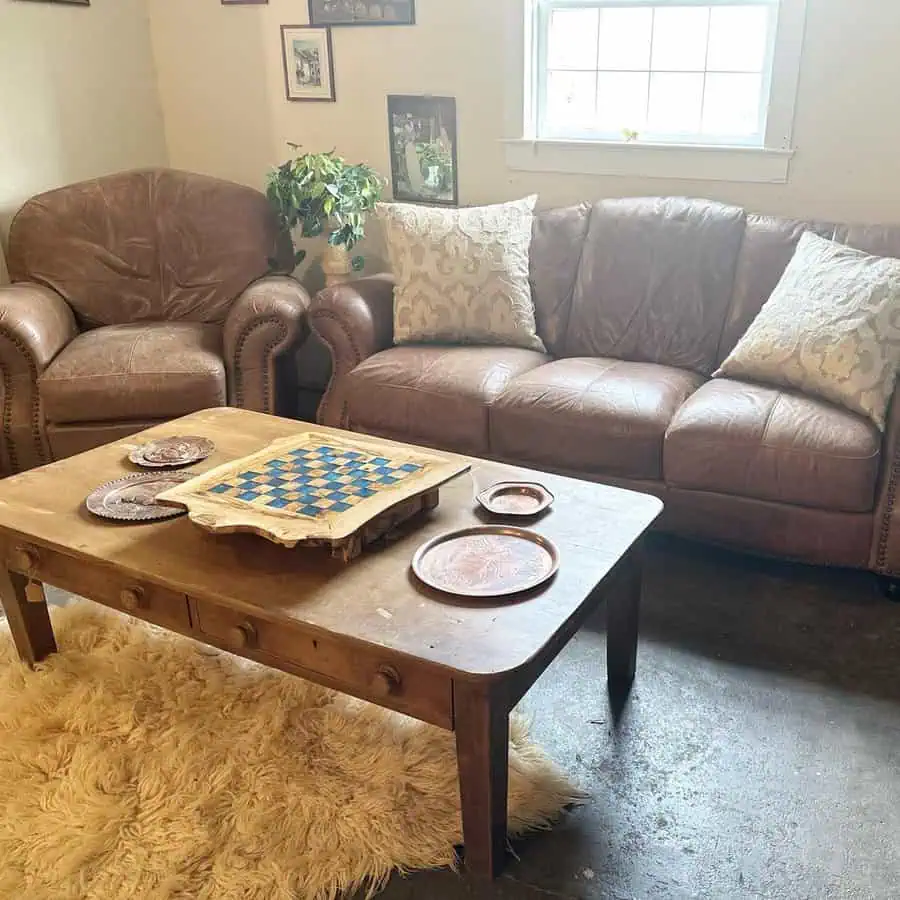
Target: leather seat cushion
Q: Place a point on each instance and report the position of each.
(742, 439)
(134, 372)
(434, 394)
(591, 415)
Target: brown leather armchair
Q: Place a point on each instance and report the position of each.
(137, 298)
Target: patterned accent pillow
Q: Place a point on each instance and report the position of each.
(831, 329)
(462, 274)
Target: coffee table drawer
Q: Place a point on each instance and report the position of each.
(101, 584)
(419, 691)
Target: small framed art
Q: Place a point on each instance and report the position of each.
(423, 149)
(308, 63)
(362, 12)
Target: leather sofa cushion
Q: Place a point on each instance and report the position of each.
(590, 416)
(133, 372)
(434, 395)
(655, 281)
(746, 440)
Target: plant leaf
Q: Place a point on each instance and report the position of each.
(358, 263)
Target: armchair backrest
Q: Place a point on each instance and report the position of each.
(150, 245)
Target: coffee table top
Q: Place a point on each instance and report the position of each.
(374, 599)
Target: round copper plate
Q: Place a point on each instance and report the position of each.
(515, 498)
(486, 561)
(133, 498)
(172, 452)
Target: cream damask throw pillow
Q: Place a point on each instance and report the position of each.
(831, 329)
(462, 274)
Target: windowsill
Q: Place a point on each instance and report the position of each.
(693, 162)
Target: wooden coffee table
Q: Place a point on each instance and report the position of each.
(366, 628)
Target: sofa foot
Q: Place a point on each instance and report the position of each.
(890, 587)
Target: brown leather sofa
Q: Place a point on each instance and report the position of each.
(137, 298)
(637, 302)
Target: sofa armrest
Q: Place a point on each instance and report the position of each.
(354, 321)
(265, 323)
(35, 324)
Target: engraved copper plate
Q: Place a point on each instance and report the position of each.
(172, 452)
(486, 561)
(515, 498)
(133, 498)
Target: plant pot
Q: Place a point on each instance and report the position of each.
(337, 265)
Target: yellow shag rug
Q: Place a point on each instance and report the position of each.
(139, 764)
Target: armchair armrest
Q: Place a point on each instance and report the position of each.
(35, 324)
(355, 321)
(885, 556)
(265, 323)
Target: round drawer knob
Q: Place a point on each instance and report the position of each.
(242, 636)
(132, 599)
(386, 681)
(25, 558)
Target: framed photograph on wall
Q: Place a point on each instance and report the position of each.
(308, 63)
(422, 133)
(362, 12)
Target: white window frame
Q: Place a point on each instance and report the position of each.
(612, 155)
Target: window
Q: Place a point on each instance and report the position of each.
(664, 71)
(652, 74)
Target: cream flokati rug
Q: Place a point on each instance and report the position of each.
(138, 764)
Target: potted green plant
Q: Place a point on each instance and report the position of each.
(321, 193)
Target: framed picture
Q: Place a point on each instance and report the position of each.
(308, 63)
(423, 149)
(362, 12)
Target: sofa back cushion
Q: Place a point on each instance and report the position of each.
(145, 245)
(769, 245)
(556, 244)
(655, 281)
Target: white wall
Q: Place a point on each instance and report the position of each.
(223, 96)
(78, 96)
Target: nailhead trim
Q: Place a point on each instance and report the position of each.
(270, 348)
(884, 538)
(335, 373)
(36, 424)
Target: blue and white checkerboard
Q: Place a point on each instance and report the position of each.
(314, 481)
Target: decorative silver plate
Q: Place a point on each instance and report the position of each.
(515, 498)
(486, 561)
(133, 498)
(172, 452)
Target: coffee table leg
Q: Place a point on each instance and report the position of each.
(482, 748)
(29, 622)
(622, 615)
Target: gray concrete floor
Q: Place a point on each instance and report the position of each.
(759, 755)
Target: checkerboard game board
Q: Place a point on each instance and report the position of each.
(314, 481)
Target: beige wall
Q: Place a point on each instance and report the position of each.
(78, 96)
(223, 97)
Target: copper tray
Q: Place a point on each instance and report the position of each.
(515, 498)
(133, 498)
(486, 561)
(172, 452)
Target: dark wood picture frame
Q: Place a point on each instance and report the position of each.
(316, 16)
(424, 121)
(331, 96)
